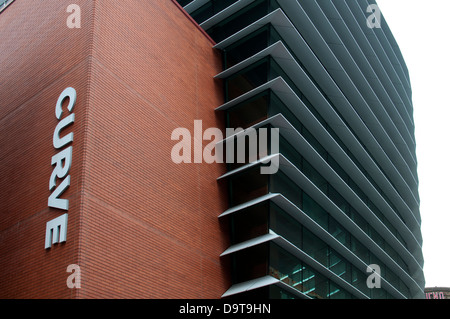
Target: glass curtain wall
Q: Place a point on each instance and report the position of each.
(247, 185)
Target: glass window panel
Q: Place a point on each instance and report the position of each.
(247, 186)
(376, 237)
(361, 222)
(315, 247)
(389, 296)
(250, 45)
(285, 266)
(280, 183)
(314, 176)
(314, 142)
(290, 153)
(392, 278)
(378, 293)
(209, 9)
(391, 252)
(339, 266)
(247, 79)
(359, 280)
(339, 232)
(360, 250)
(285, 225)
(314, 284)
(250, 112)
(184, 2)
(241, 19)
(337, 292)
(404, 289)
(315, 211)
(250, 223)
(278, 293)
(338, 200)
(277, 106)
(250, 263)
(203, 13)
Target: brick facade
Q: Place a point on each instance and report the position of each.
(139, 225)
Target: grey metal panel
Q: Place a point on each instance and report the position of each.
(259, 283)
(291, 67)
(292, 290)
(306, 55)
(298, 177)
(290, 99)
(285, 244)
(225, 13)
(306, 221)
(347, 193)
(278, 82)
(300, 254)
(194, 5)
(373, 138)
(289, 33)
(395, 56)
(378, 40)
(384, 52)
(303, 182)
(403, 119)
(249, 243)
(277, 18)
(334, 93)
(248, 204)
(250, 285)
(276, 50)
(304, 148)
(372, 88)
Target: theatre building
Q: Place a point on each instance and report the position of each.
(107, 189)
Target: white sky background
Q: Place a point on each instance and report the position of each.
(422, 30)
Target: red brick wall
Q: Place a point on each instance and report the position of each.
(39, 58)
(140, 226)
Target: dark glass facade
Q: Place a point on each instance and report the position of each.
(346, 192)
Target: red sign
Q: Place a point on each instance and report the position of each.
(434, 295)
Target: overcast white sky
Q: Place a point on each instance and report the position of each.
(422, 30)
